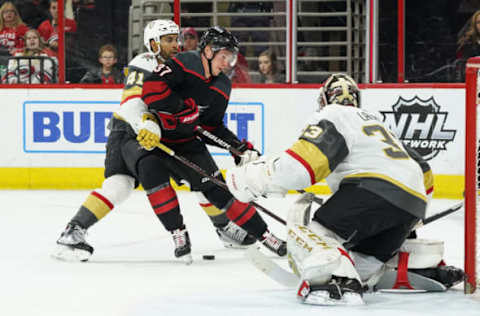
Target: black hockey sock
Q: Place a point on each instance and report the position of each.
(84, 218)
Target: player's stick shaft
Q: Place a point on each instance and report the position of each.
(218, 182)
(217, 140)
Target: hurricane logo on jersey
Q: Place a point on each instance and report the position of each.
(420, 124)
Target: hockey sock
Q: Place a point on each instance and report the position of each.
(165, 205)
(95, 207)
(246, 216)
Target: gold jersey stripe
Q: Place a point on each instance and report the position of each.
(392, 181)
(315, 158)
(98, 207)
(211, 210)
(135, 90)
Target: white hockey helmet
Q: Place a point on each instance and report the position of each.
(155, 30)
(339, 89)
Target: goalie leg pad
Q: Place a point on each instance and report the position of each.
(299, 213)
(368, 267)
(418, 267)
(315, 257)
(423, 253)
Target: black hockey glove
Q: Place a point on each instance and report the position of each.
(249, 153)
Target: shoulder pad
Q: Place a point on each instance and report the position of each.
(145, 61)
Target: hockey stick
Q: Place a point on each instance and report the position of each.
(439, 215)
(235, 151)
(218, 182)
(288, 279)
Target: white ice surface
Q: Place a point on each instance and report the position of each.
(132, 271)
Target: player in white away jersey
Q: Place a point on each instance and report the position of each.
(379, 193)
(161, 41)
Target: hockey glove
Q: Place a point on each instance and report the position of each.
(149, 133)
(253, 180)
(249, 153)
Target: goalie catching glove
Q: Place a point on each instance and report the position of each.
(249, 153)
(149, 133)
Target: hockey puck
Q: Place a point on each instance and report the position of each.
(208, 257)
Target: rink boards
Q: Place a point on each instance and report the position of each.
(55, 138)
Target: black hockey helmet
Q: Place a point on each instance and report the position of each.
(218, 38)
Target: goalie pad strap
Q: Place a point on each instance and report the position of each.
(423, 253)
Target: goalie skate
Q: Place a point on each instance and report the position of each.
(71, 246)
(183, 247)
(233, 236)
(339, 291)
(447, 275)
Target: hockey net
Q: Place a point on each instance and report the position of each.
(472, 201)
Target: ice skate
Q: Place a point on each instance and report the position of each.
(71, 246)
(274, 244)
(339, 291)
(182, 245)
(447, 275)
(233, 236)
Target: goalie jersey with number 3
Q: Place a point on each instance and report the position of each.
(346, 144)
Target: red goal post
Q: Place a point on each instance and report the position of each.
(472, 240)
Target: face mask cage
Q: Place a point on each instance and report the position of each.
(339, 90)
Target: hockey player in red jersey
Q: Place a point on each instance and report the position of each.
(379, 194)
(161, 40)
(188, 90)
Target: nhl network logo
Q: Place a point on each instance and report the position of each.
(420, 124)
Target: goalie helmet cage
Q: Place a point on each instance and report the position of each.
(472, 222)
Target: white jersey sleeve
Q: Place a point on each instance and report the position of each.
(132, 107)
(349, 145)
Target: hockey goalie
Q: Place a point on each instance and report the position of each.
(357, 240)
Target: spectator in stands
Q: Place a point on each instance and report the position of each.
(468, 45)
(12, 29)
(189, 39)
(48, 28)
(268, 68)
(36, 63)
(107, 74)
(33, 12)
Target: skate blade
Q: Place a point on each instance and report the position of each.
(323, 298)
(187, 259)
(231, 245)
(68, 253)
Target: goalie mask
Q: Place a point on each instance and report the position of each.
(154, 32)
(339, 89)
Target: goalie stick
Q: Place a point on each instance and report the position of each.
(439, 215)
(290, 280)
(220, 142)
(221, 184)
